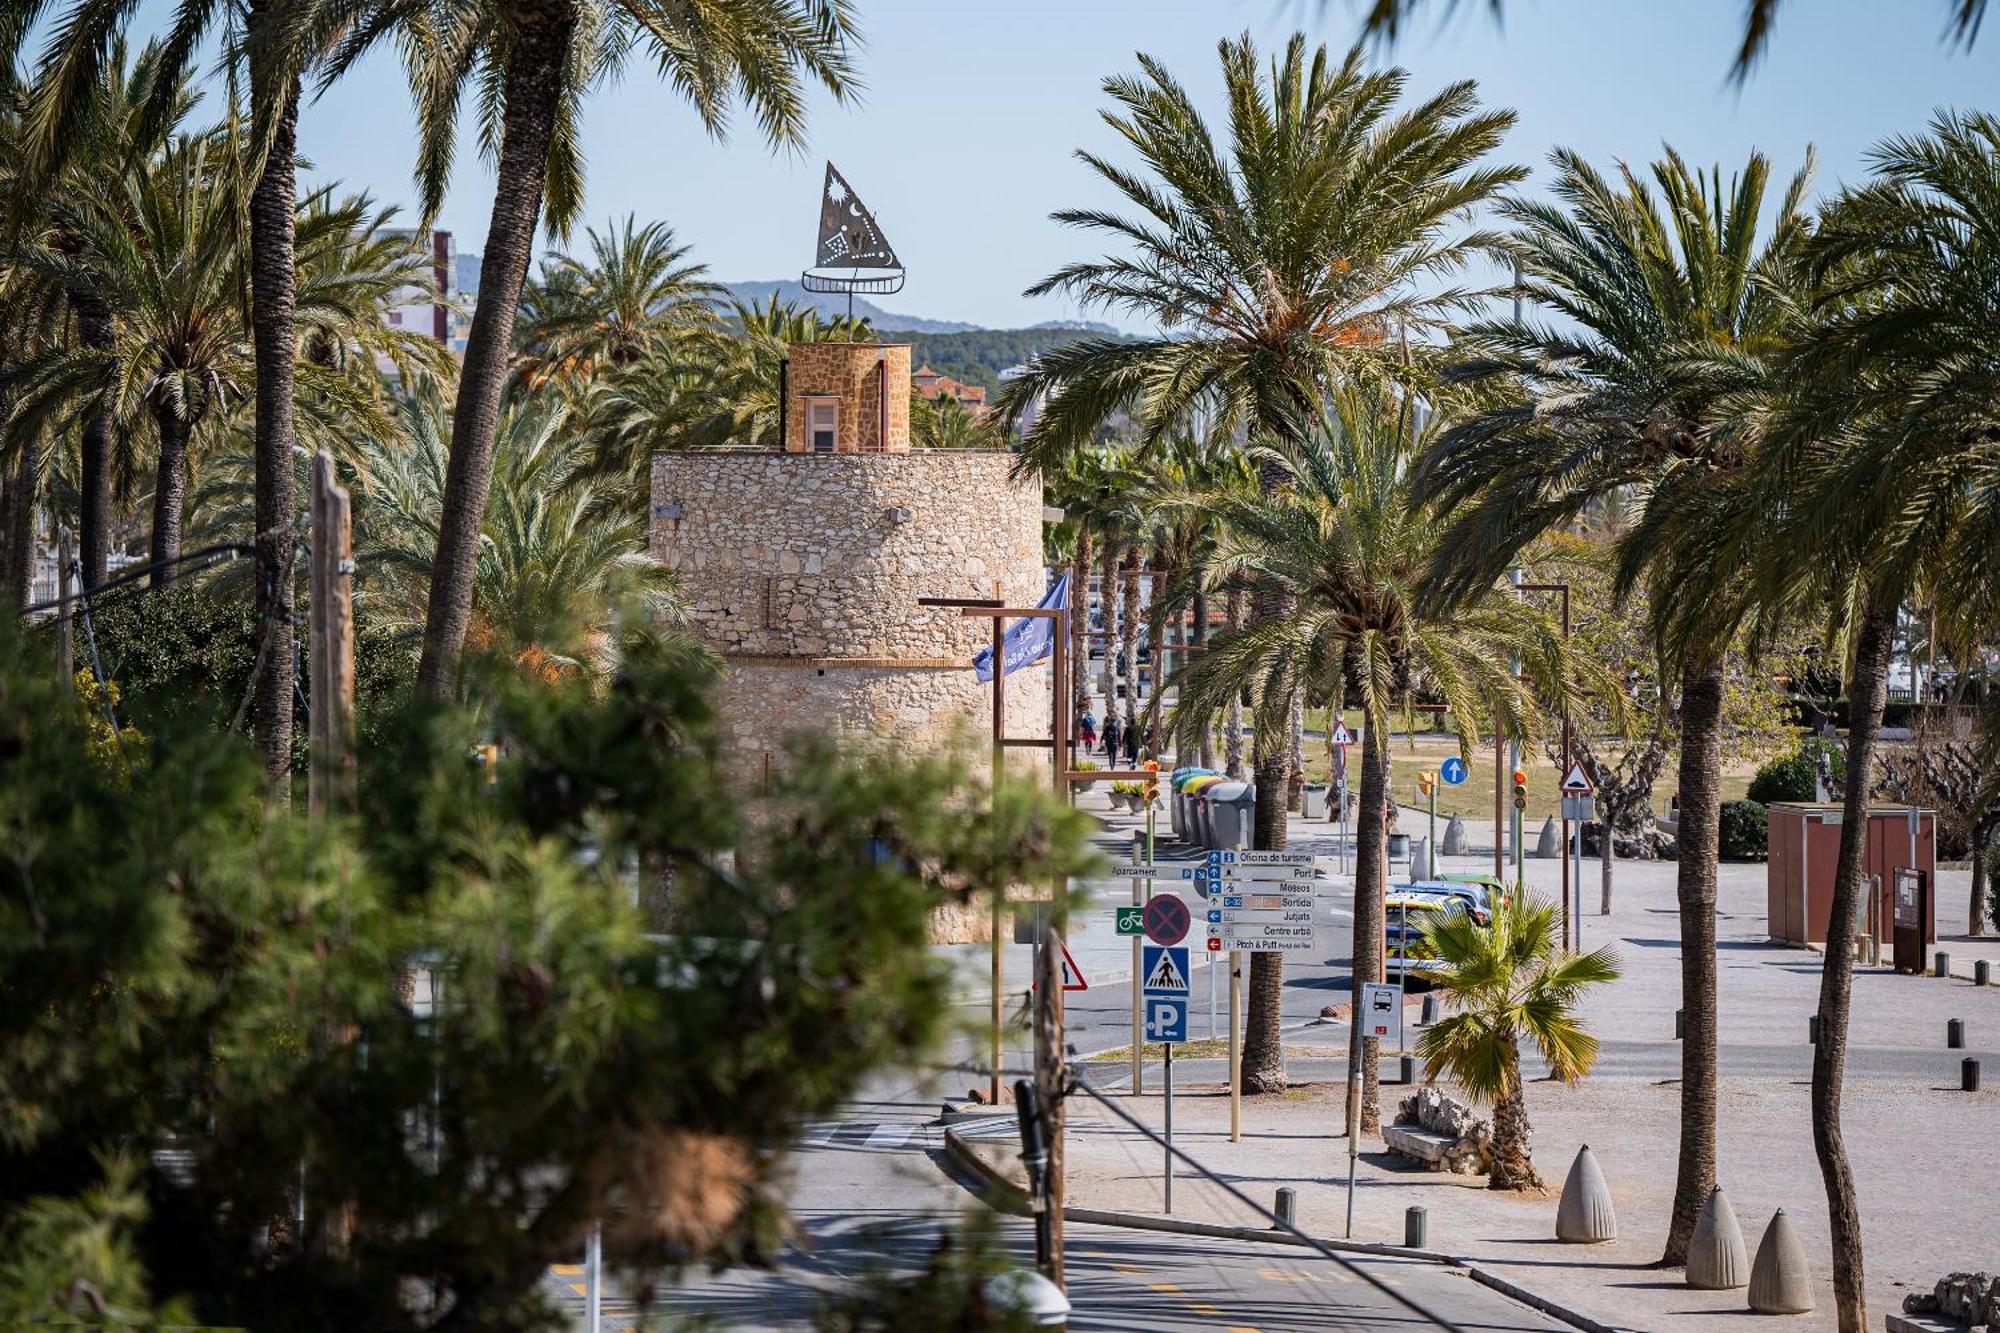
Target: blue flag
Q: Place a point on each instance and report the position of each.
(1027, 641)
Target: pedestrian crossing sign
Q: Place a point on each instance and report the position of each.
(1164, 970)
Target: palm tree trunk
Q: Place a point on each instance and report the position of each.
(1513, 1157)
(1108, 602)
(1610, 855)
(169, 494)
(1128, 643)
(1982, 835)
(94, 331)
(1079, 625)
(1371, 890)
(1866, 698)
(1263, 1068)
(17, 524)
(532, 92)
(1205, 755)
(273, 308)
(1232, 728)
(1701, 813)
(1156, 645)
(1295, 740)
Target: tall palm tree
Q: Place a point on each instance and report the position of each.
(1344, 541)
(637, 297)
(1504, 982)
(534, 62)
(555, 564)
(1675, 305)
(1887, 463)
(271, 46)
(1274, 263)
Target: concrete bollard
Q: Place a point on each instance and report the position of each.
(1982, 973)
(1812, 1029)
(1585, 1215)
(1430, 1012)
(1954, 1034)
(1549, 845)
(1779, 1281)
(1968, 1075)
(1941, 964)
(1716, 1261)
(1680, 1024)
(1416, 1227)
(1406, 1069)
(1287, 1207)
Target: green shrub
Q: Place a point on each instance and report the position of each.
(1743, 835)
(1790, 778)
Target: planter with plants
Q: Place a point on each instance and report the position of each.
(1130, 795)
(1086, 766)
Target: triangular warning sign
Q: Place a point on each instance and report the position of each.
(1072, 975)
(1165, 976)
(1341, 735)
(1576, 782)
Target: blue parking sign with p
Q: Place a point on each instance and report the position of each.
(1166, 1019)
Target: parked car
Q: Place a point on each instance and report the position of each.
(1407, 957)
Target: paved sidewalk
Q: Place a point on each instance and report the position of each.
(1910, 1132)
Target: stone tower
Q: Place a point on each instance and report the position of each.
(802, 566)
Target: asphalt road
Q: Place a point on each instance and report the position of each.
(872, 1191)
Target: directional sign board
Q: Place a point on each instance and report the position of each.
(1382, 1012)
(1134, 871)
(1578, 809)
(1165, 919)
(1131, 920)
(1576, 782)
(1262, 901)
(1453, 772)
(1236, 858)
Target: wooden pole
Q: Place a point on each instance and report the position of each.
(999, 966)
(330, 775)
(1058, 1117)
(1235, 1046)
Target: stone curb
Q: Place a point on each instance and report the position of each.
(1009, 1197)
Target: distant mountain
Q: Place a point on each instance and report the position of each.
(980, 356)
(1081, 326)
(888, 321)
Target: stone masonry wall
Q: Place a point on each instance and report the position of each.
(803, 571)
(854, 374)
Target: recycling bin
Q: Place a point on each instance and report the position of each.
(1232, 814)
(1312, 801)
(1201, 808)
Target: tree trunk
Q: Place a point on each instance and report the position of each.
(169, 494)
(1156, 647)
(95, 332)
(273, 307)
(1108, 598)
(1866, 697)
(1982, 835)
(1609, 854)
(532, 90)
(1271, 766)
(1079, 626)
(1295, 741)
(1232, 727)
(1205, 754)
(1128, 644)
(1701, 813)
(1371, 889)
(1513, 1148)
(17, 523)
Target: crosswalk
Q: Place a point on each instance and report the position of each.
(871, 1135)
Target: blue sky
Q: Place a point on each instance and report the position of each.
(962, 143)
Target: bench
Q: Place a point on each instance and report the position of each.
(1419, 1144)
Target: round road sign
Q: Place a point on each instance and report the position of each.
(1453, 771)
(1166, 919)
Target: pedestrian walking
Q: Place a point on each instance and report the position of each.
(1113, 733)
(1086, 730)
(1132, 744)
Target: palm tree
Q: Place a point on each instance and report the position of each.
(1888, 464)
(1675, 307)
(555, 564)
(1274, 266)
(637, 298)
(1962, 19)
(535, 60)
(1348, 547)
(1504, 982)
(946, 423)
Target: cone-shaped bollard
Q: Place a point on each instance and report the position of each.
(1779, 1282)
(1716, 1261)
(1585, 1216)
(1550, 844)
(1454, 837)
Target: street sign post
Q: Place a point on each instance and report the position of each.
(1578, 806)
(1453, 772)
(1164, 988)
(1381, 1015)
(1166, 919)
(1131, 920)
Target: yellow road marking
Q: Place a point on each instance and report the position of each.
(1273, 1275)
(1130, 1268)
(1202, 1307)
(1240, 1328)
(579, 1288)
(1170, 1288)
(567, 1270)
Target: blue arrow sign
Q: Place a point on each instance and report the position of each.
(1453, 771)
(1166, 1020)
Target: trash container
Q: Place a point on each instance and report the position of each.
(1232, 814)
(1313, 801)
(1178, 802)
(1200, 811)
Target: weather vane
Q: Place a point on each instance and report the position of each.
(850, 240)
